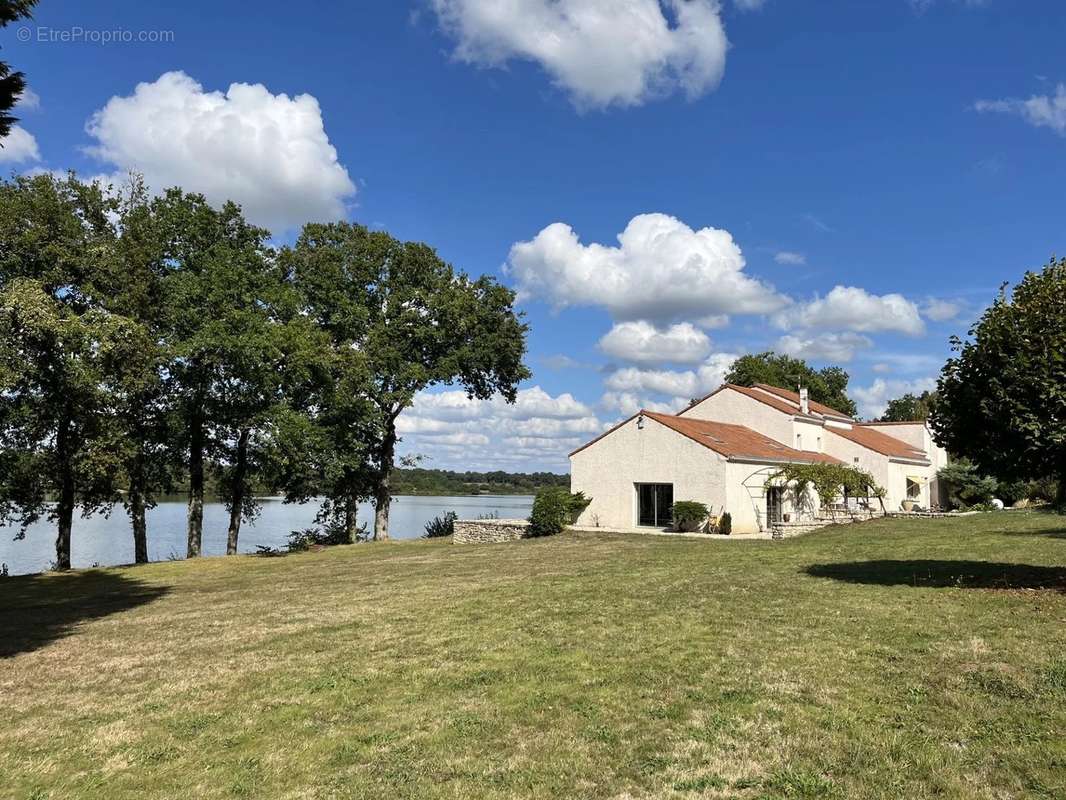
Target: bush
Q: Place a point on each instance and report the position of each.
(551, 512)
(577, 502)
(439, 527)
(689, 514)
(966, 487)
(725, 524)
(326, 536)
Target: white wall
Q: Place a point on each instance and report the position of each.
(739, 409)
(607, 471)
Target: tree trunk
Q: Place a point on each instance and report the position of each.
(65, 517)
(196, 484)
(138, 504)
(383, 490)
(351, 521)
(65, 508)
(240, 470)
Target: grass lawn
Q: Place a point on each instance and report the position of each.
(893, 659)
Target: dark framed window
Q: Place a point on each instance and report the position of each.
(654, 501)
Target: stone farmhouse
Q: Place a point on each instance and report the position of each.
(721, 450)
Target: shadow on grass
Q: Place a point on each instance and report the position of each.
(38, 609)
(1059, 533)
(931, 573)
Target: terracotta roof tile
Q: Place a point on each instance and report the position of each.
(736, 441)
(880, 442)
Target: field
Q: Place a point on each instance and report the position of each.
(891, 659)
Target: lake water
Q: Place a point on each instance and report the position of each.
(106, 542)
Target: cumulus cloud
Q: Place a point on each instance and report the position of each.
(838, 347)
(790, 259)
(626, 404)
(268, 152)
(872, 400)
(536, 432)
(642, 343)
(940, 310)
(682, 385)
(662, 270)
(19, 146)
(854, 309)
(29, 100)
(600, 52)
(1040, 111)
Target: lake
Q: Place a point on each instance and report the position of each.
(106, 542)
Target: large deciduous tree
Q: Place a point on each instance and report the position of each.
(1002, 399)
(828, 385)
(57, 439)
(217, 314)
(410, 321)
(12, 84)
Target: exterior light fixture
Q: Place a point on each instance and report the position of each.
(640, 422)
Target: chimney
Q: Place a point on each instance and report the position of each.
(805, 405)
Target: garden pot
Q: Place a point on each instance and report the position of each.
(908, 505)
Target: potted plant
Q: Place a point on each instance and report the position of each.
(689, 516)
(908, 505)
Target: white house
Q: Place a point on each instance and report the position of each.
(721, 449)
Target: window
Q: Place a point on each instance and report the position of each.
(654, 501)
(914, 488)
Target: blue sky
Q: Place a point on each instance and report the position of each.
(849, 181)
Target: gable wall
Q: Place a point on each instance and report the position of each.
(739, 409)
(607, 470)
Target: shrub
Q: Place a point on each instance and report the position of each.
(577, 502)
(326, 536)
(688, 514)
(439, 527)
(966, 487)
(725, 524)
(552, 511)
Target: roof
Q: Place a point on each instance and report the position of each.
(755, 394)
(880, 443)
(901, 422)
(736, 441)
(794, 398)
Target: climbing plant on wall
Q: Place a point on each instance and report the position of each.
(828, 481)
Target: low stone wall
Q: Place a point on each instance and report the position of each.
(489, 531)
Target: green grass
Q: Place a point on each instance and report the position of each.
(884, 660)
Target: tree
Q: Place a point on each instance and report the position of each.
(828, 385)
(216, 314)
(56, 433)
(910, 408)
(12, 84)
(1002, 399)
(415, 322)
(137, 373)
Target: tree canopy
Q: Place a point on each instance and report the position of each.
(910, 407)
(828, 385)
(12, 84)
(1002, 399)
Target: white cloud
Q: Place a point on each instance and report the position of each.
(561, 361)
(19, 146)
(1040, 111)
(790, 259)
(642, 343)
(713, 322)
(268, 152)
(838, 347)
(685, 384)
(536, 432)
(881, 368)
(940, 310)
(29, 101)
(854, 309)
(601, 52)
(872, 400)
(661, 271)
(627, 404)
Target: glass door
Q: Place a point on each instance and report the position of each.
(654, 501)
(775, 498)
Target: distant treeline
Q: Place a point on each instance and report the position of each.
(443, 482)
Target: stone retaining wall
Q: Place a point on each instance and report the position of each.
(489, 531)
